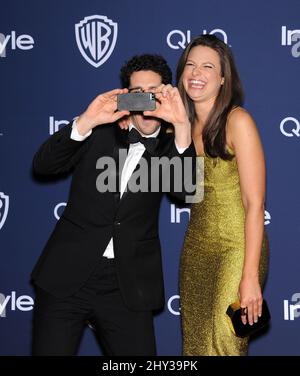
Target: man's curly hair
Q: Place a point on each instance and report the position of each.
(146, 62)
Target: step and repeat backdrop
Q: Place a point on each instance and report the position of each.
(57, 55)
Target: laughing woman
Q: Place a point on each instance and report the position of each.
(225, 255)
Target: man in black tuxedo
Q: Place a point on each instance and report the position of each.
(102, 262)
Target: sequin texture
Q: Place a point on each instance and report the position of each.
(212, 263)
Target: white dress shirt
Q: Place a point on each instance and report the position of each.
(135, 153)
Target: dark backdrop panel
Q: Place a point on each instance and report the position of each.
(46, 81)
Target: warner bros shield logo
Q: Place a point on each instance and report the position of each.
(96, 38)
(4, 204)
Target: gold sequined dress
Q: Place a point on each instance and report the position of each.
(212, 262)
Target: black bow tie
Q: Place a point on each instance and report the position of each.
(150, 143)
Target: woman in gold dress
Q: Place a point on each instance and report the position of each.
(225, 254)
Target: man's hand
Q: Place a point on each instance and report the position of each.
(169, 106)
(102, 110)
(124, 122)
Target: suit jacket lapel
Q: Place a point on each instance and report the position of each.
(120, 152)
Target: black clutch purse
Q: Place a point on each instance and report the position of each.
(240, 330)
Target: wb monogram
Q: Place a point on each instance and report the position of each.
(96, 38)
(4, 204)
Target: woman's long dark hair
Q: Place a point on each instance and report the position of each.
(229, 96)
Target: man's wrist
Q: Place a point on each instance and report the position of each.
(75, 135)
(83, 125)
(185, 123)
(183, 135)
(180, 150)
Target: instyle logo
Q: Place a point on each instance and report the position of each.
(54, 125)
(14, 42)
(96, 37)
(4, 206)
(13, 303)
(292, 310)
(177, 39)
(291, 38)
(177, 213)
(290, 127)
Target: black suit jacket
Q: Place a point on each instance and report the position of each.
(91, 218)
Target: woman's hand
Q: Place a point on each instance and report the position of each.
(251, 298)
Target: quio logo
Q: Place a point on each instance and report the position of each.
(292, 310)
(12, 41)
(4, 205)
(12, 302)
(54, 125)
(96, 38)
(173, 305)
(57, 209)
(290, 127)
(180, 39)
(291, 38)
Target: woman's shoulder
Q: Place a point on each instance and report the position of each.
(239, 123)
(239, 117)
(238, 113)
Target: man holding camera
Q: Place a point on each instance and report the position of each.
(102, 263)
